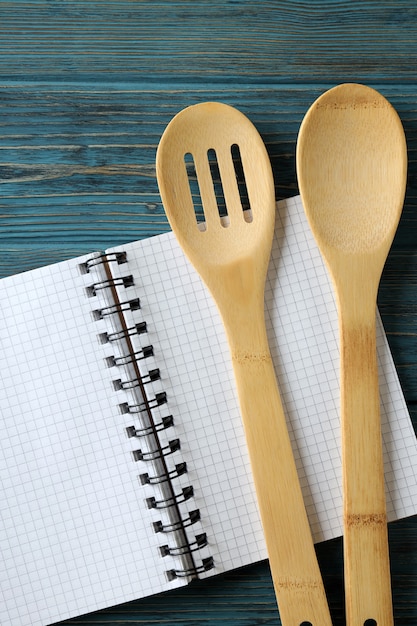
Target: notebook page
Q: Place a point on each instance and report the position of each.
(75, 532)
(192, 353)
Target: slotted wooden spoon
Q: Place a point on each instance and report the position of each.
(232, 258)
(351, 164)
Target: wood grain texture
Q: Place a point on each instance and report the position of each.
(200, 41)
(231, 254)
(86, 90)
(352, 170)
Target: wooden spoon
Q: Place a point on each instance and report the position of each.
(351, 164)
(232, 258)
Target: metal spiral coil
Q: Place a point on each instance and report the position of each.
(161, 474)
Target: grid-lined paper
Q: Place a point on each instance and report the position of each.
(192, 353)
(75, 533)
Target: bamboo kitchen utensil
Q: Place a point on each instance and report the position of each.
(231, 254)
(351, 164)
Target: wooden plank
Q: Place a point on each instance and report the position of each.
(239, 40)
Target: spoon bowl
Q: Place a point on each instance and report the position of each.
(232, 255)
(367, 158)
(351, 166)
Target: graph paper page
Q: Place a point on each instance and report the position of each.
(75, 533)
(191, 350)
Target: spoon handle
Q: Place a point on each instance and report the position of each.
(366, 556)
(297, 580)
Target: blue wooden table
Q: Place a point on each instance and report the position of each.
(86, 89)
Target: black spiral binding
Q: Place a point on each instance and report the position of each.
(158, 453)
(206, 564)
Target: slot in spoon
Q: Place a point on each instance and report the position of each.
(351, 166)
(232, 259)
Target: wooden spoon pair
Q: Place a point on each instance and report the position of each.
(232, 258)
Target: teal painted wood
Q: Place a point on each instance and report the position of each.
(218, 41)
(86, 90)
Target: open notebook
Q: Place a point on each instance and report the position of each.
(124, 470)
